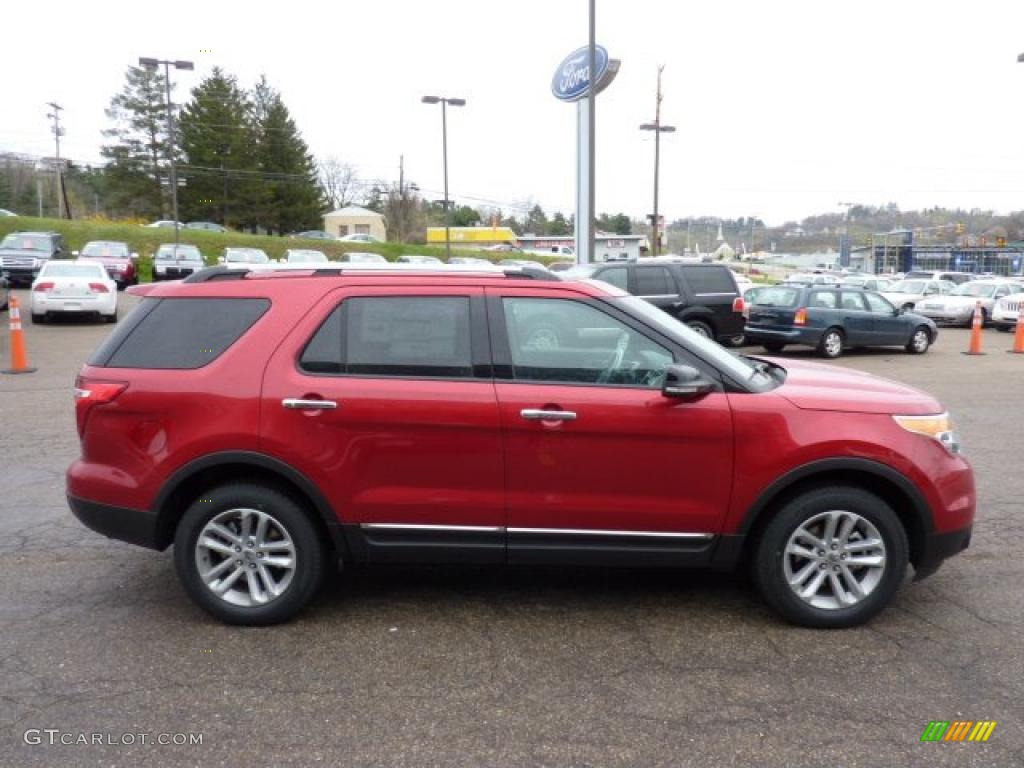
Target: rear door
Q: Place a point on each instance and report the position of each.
(857, 321)
(600, 467)
(384, 398)
(655, 284)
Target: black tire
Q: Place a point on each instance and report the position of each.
(908, 307)
(773, 346)
(919, 342)
(110, 318)
(830, 344)
(735, 341)
(701, 328)
(769, 563)
(310, 553)
(1004, 328)
(37, 319)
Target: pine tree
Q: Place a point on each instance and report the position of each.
(217, 140)
(291, 198)
(138, 158)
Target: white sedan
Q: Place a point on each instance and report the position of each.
(906, 294)
(958, 305)
(73, 286)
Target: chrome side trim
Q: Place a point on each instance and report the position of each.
(413, 527)
(595, 532)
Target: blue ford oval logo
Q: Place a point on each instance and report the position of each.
(572, 78)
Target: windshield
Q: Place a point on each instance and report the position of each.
(306, 255)
(185, 253)
(908, 286)
(979, 290)
(25, 243)
(107, 250)
(246, 255)
(741, 369)
(64, 269)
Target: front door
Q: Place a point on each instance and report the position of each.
(600, 466)
(857, 321)
(384, 401)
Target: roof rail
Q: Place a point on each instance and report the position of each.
(208, 274)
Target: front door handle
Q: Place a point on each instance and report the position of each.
(539, 414)
(298, 404)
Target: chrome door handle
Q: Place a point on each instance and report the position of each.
(538, 414)
(308, 405)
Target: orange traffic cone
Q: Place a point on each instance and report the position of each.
(975, 346)
(1018, 336)
(19, 359)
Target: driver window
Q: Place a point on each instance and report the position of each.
(565, 341)
(878, 304)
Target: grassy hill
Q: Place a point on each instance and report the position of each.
(145, 241)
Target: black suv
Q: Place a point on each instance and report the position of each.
(22, 254)
(704, 296)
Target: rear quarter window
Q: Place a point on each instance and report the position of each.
(704, 280)
(184, 333)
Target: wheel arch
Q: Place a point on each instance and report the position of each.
(890, 485)
(249, 466)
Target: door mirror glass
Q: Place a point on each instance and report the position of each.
(684, 381)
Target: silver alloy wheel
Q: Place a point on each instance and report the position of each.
(920, 340)
(834, 560)
(245, 557)
(833, 344)
(700, 329)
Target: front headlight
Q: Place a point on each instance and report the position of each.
(938, 427)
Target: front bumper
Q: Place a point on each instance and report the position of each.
(937, 547)
(946, 315)
(135, 526)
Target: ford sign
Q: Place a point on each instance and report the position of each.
(572, 78)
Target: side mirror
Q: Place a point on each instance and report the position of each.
(685, 381)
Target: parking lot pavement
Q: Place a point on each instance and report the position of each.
(453, 667)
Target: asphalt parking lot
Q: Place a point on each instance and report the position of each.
(457, 667)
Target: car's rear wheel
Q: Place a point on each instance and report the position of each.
(1004, 328)
(736, 341)
(831, 557)
(38, 318)
(701, 328)
(110, 318)
(920, 341)
(831, 343)
(773, 346)
(248, 554)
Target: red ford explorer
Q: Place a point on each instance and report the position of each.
(270, 423)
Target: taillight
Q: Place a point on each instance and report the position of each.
(43, 287)
(98, 288)
(91, 392)
(801, 317)
(738, 304)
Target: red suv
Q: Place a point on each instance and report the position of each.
(270, 423)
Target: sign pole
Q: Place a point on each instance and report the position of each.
(587, 244)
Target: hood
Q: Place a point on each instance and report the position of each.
(815, 386)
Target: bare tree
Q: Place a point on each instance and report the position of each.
(338, 180)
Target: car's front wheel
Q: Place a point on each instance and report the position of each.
(248, 554)
(919, 342)
(831, 557)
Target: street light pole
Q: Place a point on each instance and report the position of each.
(151, 65)
(445, 101)
(658, 129)
(57, 132)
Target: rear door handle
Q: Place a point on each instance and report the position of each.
(297, 404)
(539, 414)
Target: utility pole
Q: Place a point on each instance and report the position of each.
(57, 132)
(658, 129)
(401, 176)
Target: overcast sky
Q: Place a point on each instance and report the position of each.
(782, 109)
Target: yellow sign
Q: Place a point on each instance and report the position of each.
(473, 235)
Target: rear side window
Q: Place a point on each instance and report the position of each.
(822, 300)
(654, 281)
(178, 333)
(709, 279)
(617, 276)
(394, 336)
